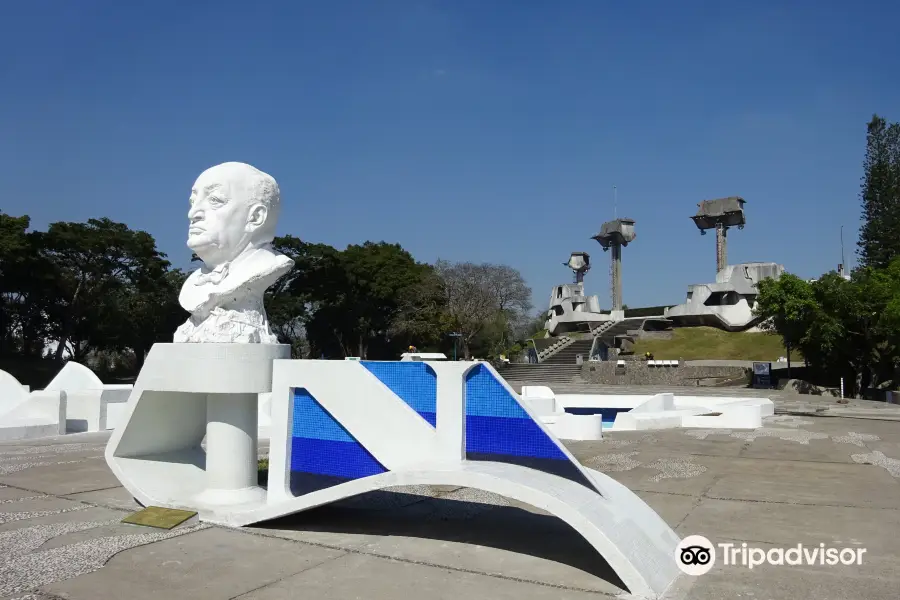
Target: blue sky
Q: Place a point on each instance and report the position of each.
(482, 130)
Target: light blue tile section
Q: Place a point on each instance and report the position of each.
(313, 422)
(487, 397)
(414, 382)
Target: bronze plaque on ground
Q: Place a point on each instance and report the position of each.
(162, 518)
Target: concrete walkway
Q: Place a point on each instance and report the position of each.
(808, 480)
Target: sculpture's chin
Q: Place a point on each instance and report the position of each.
(204, 248)
(198, 242)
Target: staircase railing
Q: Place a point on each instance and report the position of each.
(597, 334)
(549, 351)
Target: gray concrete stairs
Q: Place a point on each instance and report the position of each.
(556, 369)
(610, 330)
(566, 356)
(519, 374)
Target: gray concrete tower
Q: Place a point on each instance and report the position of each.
(614, 235)
(720, 215)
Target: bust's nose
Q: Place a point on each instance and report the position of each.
(195, 213)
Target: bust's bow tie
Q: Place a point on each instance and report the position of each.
(215, 276)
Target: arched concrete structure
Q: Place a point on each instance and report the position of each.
(626, 539)
(344, 428)
(75, 376)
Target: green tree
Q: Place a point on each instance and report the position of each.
(361, 299)
(142, 312)
(25, 289)
(91, 263)
(13, 255)
(871, 326)
(845, 329)
(786, 306)
(286, 301)
(879, 239)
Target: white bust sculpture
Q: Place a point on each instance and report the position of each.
(234, 209)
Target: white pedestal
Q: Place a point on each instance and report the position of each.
(186, 392)
(231, 440)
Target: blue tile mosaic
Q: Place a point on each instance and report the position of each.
(322, 446)
(414, 382)
(499, 429)
(324, 453)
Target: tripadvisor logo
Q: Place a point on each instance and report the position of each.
(696, 555)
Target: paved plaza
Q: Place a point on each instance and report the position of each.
(816, 473)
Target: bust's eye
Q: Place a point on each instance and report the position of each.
(215, 201)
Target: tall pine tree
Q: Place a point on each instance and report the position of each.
(879, 237)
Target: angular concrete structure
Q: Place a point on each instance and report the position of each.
(571, 310)
(728, 303)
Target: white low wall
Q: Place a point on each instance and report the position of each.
(95, 410)
(91, 404)
(12, 393)
(28, 415)
(42, 414)
(567, 426)
(644, 411)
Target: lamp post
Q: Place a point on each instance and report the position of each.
(455, 336)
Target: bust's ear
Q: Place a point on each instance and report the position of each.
(257, 217)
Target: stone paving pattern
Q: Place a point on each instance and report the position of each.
(805, 477)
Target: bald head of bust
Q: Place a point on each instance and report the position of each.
(234, 206)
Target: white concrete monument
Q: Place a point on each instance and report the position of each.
(340, 429)
(234, 210)
(207, 383)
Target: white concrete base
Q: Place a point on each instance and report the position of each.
(115, 413)
(574, 427)
(540, 399)
(645, 412)
(667, 411)
(186, 392)
(91, 404)
(89, 410)
(638, 545)
(42, 414)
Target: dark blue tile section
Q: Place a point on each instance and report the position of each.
(323, 448)
(516, 437)
(608, 414)
(339, 459)
(499, 429)
(414, 382)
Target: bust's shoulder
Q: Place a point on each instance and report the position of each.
(262, 261)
